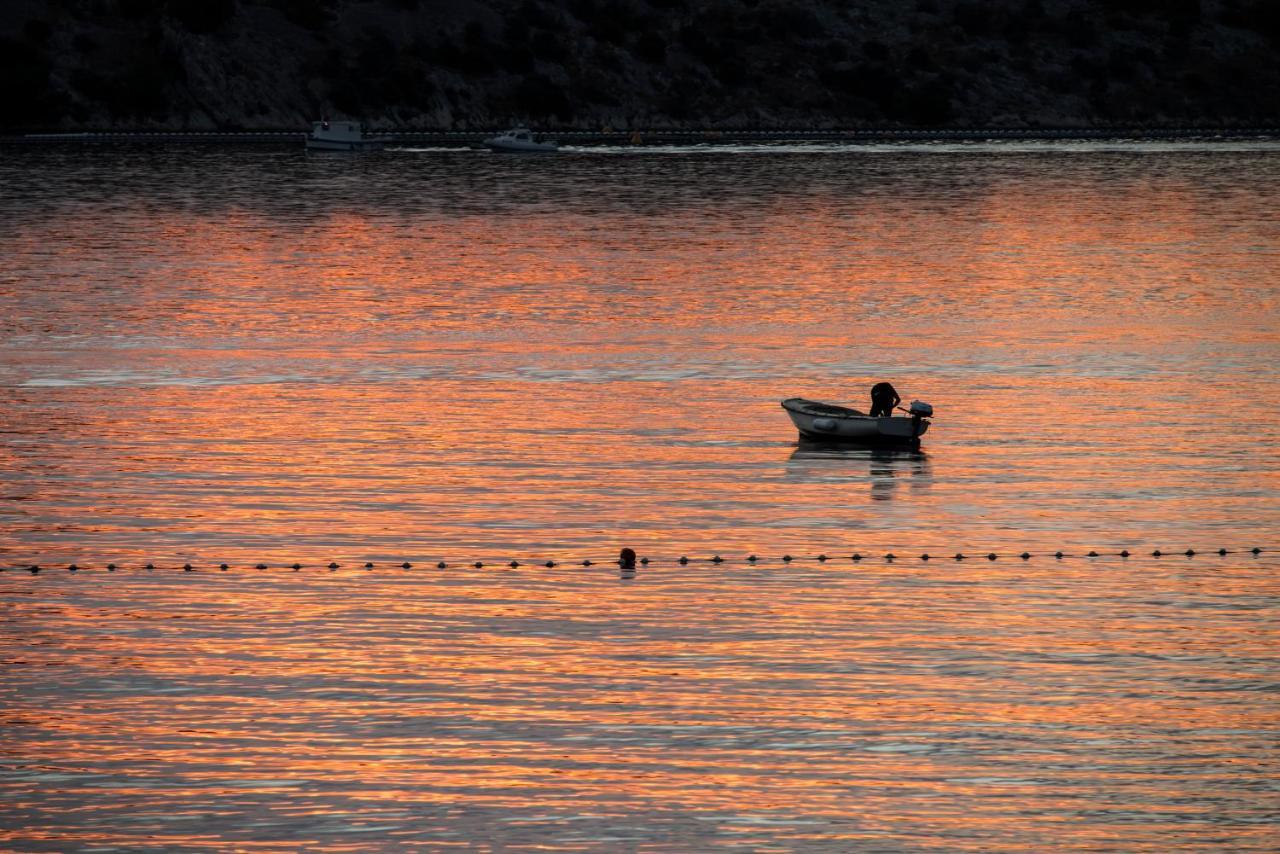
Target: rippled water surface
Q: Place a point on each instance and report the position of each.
(212, 355)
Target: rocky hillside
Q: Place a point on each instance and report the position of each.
(439, 64)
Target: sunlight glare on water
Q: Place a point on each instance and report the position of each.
(270, 356)
(213, 355)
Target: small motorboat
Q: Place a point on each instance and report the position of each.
(342, 136)
(826, 422)
(520, 139)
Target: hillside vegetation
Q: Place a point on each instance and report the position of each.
(250, 64)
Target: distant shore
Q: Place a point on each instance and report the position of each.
(660, 136)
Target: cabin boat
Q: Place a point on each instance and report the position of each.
(826, 422)
(341, 136)
(519, 139)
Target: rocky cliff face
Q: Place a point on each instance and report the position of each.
(456, 64)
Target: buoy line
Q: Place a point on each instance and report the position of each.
(628, 559)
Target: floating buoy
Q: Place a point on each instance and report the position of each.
(855, 557)
(153, 566)
(35, 570)
(478, 565)
(1058, 555)
(717, 559)
(1124, 553)
(644, 561)
(406, 565)
(991, 556)
(73, 568)
(924, 557)
(751, 558)
(959, 556)
(222, 566)
(1092, 554)
(111, 567)
(260, 566)
(368, 565)
(550, 564)
(186, 567)
(889, 556)
(441, 565)
(786, 558)
(822, 558)
(586, 563)
(297, 566)
(1190, 553)
(1156, 553)
(1222, 551)
(333, 565)
(1025, 555)
(514, 564)
(1256, 550)
(683, 560)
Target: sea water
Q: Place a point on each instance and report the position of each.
(268, 357)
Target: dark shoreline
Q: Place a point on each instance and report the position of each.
(673, 136)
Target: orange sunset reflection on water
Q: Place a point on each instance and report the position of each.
(422, 357)
(388, 376)
(975, 708)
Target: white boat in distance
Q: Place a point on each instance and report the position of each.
(826, 422)
(342, 136)
(519, 139)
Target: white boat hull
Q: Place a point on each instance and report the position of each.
(341, 136)
(823, 422)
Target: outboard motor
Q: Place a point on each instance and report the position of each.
(919, 411)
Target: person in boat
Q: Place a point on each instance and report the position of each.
(883, 399)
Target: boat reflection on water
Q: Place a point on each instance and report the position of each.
(883, 469)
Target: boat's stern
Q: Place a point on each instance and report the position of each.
(900, 427)
(907, 428)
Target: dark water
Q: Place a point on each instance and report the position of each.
(247, 357)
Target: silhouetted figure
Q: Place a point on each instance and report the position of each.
(627, 559)
(883, 399)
